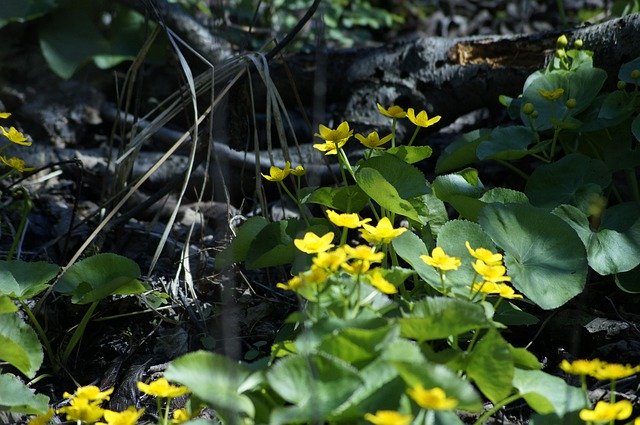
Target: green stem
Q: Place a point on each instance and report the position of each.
(552, 151)
(486, 415)
(345, 161)
(296, 200)
(393, 132)
(26, 208)
(513, 168)
(415, 133)
(41, 333)
(343, 236)
(166, 412)
(77, 334)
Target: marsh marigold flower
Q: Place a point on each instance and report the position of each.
(180, 416)
(4, 115)
(373, 141)
(162, 388)
(422, 120)
(551, 94)
(611, 371)
(434, 398)
(333, 139)
(388, 417)
(394, 111)
(580, 367)
(485, 255)
(90, 392)
(81, 409)
(495, 273)
(380, 283)
(331, 260)
(383, 232)
(278, 174)
(313, 244)
(15, 163)
(44, 418)
(298, 171)
(351, 220)
(126, 417)
(440, 260)
(15, 136)
(605, 412)
(364, 252)
(501, 289)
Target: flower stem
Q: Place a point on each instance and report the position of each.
(393, 132)
(41, 333)
(415, 133)
(486, 415)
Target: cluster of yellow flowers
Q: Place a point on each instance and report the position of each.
(85, 405)
(603, 371)
(17, 138)
(429, 399)
(488, 266)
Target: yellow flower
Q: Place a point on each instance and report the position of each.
(313, 244)
(491, 273)
(373, 141)
(605, 412)
(162, 388)
(179, 416)
(434, 398)
(90, 392)
(46, 417)
(485, 255)
(440, 260)
(4, 115)
(388, 417)
(356, 267)
(608, 371)
(551, 94)
(16, 163)
(15, 136)
(278, 174)
(364, 252)
(637, 421)
(81, 409)
(292, 285)
(383, 232)
(351, 221)
(126, 417)
(334, 139)
(330, 260)
(394, 111)
(580, 367)
(422, 120)
(380, 283)
(298, 171)
(501, 289)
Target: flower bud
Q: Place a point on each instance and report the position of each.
(528, 108)
(621, 85)
(635, 74)
(534, 114)
(560, 53)
(571, 103)
(562, 41)
(578, 44)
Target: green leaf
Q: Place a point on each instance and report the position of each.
(273, 245)
(7, 305)
(17, 397)
(410, 247)
(239, 246)
(507, 143)
(548, 394)
(524, 359)
(635, 127)
(23, 280)
(571, 180)
(24, 10)
(439, 317)
(490, 366)
(431, 375)
(625, 71)
(462, 151)
(348, 199)
(393, 184)
(544, 256)
(629, 281)
(461, 190)
(357, 345)
(314, 384)
(411, 154)
(215, 379)
(19, 345)
(100, 276)
(509, 314)
(615, 246)
(503, 195)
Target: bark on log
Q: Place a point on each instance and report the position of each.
(449, 77)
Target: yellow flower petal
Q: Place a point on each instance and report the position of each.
(15, 136)
(278, 174)
(394, 111)
(380, 283)
(383, 232)
(440, 260)
(373, 141)
(313, 244)
(605, 412)
(162, 388)
(351, 221)
(485, 255)
(434, 398)
(388, 417)
(422, 119)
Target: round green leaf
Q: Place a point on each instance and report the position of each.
(544, 256)
(625, 71)
(508, 143)
(629, 281)
(17, 397)
(27, 279)
(490, 366)
(19, 345)
(462, 151)
(216, 379)
(615, 246)
(548, 394)
(571, 180)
